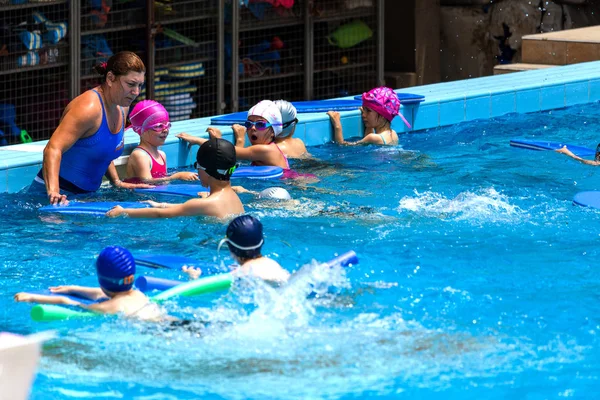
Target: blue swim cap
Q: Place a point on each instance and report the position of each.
(245, 236)
(116, 269)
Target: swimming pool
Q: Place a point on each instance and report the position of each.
(476, 280)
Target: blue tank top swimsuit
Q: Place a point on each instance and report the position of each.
(85, 163)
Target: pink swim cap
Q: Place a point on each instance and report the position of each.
(384, 101)
(147, 113)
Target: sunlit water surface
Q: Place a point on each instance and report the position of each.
(477, 279)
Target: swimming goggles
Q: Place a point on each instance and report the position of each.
(259, 125)
(161, 126)
(128, 280)
(237, 246)
(597, 156)
(228, 171)
(286, 124)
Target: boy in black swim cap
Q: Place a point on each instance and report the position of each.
(216, 161)
(245, 240)
(115, 267)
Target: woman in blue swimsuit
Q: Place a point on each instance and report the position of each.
(90, 133)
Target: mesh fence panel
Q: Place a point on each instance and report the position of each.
(34, 73)
(108, 30)
(271, 46)
(186, 57)
(345, 47)
(271, 54)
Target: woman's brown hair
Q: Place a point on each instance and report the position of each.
(121, 63)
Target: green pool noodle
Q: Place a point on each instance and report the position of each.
(51, 312)
(209, 284)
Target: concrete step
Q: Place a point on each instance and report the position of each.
(508, 68)
(562, 48)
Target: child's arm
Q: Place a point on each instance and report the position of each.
(192, 272)
(92, 293)
(239, 133)
(191, 139)
(45, 299)
(191, 207)
(263, 153)
(569, 153)
(336, 123)
(182, 176)
(241, 189)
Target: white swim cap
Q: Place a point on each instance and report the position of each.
(275, 193)
(288, 116)
(268, 110)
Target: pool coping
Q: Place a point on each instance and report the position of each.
(445, 104)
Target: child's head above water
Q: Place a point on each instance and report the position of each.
(384, 101)
(217, 158)
(267, 111)
(148, 114)
(244, 237)
(288, 117)
(115, 267)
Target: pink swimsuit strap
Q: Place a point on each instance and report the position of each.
(287, 164)
(157, 170)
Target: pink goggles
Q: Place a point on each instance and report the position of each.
(161, 126)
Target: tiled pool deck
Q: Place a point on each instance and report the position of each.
(445, 104)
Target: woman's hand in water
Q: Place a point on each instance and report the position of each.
(116, 211)
(185, 176)
(193, 272)
(57, 198)
(214, 132)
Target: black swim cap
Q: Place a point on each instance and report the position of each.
(217, 158)
(245, 236)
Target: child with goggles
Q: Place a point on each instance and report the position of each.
(290, 146)
(147, 163)
(245, 239)
(379, 107)
(262, 127)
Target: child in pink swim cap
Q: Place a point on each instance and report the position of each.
(147, 163)
(263, 126)
(379, 107)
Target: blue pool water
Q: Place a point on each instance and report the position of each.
(477, 279)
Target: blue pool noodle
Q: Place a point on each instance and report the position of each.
(150, 283)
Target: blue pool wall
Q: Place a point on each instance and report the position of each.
(445, 104)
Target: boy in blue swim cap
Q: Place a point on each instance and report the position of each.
(245, 240)
(115, 267)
